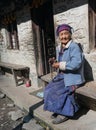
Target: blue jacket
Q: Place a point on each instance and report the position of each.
(74, 69)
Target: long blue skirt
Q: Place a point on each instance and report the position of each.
(60, 99)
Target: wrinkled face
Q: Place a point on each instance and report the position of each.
(64, 36)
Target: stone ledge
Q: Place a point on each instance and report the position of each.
(86, 95)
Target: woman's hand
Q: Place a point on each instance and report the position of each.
(51, 60)
(55, 65)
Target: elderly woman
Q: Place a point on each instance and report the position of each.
(59, 93)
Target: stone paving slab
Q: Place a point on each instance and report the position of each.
(31, 125)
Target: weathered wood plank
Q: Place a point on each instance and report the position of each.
(12, 66)
(48, 77)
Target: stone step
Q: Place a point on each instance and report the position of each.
(87, 95)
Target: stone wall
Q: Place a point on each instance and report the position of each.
(25, 55)
(76, 15)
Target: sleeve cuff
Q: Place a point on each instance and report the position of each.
(62, 65)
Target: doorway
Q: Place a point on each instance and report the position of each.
(43, 27)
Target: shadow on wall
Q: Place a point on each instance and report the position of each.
(88, 72)
(64, 5)
(92, 4)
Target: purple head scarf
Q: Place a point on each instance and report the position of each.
(63, 27)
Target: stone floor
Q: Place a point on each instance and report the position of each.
(13, 118)
(6, 106)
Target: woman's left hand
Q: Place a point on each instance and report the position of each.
(55, 65)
